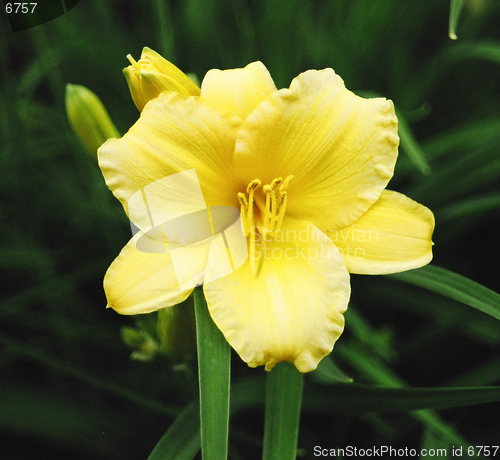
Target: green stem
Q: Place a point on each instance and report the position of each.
(283, 403)
(214, 372)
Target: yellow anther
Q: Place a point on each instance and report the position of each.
(250, 189)
(275, 205)
(247, 205)
(244, 212)
(282, 198)
(276, 182)
(253, 185)
(243, 200)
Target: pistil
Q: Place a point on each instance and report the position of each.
(134, 63)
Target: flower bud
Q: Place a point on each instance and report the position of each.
(144, 346)
(88, 118)
(177, 332)
(153, 74)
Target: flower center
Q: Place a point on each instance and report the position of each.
(266, 221)
(274, 209)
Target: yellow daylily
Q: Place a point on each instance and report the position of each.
(153, 74)
(307, 167)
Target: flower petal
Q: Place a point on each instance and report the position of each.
(154, 83)
(175, 133)
(140, 282)
(292, 311)
(151, 60)
(240, 90)
(340, 148)
(394, 235)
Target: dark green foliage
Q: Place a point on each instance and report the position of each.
(68, 388)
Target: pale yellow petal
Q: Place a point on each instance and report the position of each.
(240, 90)
(151, 60)
(292, 311)
(394, 235)
(174, 134)
(140, 282)
(340, 148)
(133, 77)
(154, 83)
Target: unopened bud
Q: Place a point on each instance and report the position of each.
(152, 75)
(88, 118)
(176, 331)
(144, 346)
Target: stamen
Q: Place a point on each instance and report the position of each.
(253, 185)
(250, 190)
(246, 205)
(276, 182)
(244, 211)
(275, 205)
(274, 208)
(281, 214)
(243, 201)
(285, 183)
(274, 213)
(267, 213)
(252, 249)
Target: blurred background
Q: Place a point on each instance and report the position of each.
(68, 385)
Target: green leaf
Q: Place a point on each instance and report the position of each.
(248, 392)
(329, 372)
(362, 358)
(454, 286)
(464, 138)
(214, 372)
(283, 404)
(463, 176)
(411, 147)
(182, 439)
(44, 415)
(83, 375)
(358, 399)
(485, 50)
(455, 11)
(164, 29)
(432, 442)
(470, 207)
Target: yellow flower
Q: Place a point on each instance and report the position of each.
(306, 166)
(88, 118)
(153, 74)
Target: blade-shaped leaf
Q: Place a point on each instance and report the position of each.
(214, 369)
(182, 439)
(356, 399)
(455, 11)
(455, 286)
(410, 145)
(284, 386)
